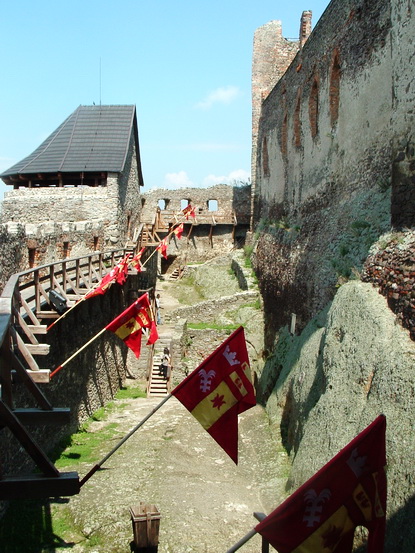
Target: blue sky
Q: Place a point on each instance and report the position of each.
(186, 65)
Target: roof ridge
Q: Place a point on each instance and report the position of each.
(77, 111)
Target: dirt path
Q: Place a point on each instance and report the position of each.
(205, 500)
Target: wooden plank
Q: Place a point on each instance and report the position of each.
(38, 349)
(20, 432)
(25, 327)
(28, 379)
(28, 416)
(5, 371)
(29, 312)
(47, 315)
(38, 329)
(36, 486)
(21, 346)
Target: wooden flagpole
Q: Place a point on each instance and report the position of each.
(241, 542)
(114, 449)
(52, 374)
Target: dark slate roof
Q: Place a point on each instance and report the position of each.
(92, 138)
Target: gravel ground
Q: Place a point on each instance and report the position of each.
(206, 502)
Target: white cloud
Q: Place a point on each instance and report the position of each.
(177, 180)
(222, 95)
(239, 175)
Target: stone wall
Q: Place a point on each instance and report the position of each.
(214, 232)
(336, 153)
(391, 268)
(11, 254)
(351, 363)
(220, 201)
(114, 208)
(272, 55)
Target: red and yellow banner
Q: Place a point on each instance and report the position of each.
(219, 390)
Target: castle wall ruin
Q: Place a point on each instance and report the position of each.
(334, 166)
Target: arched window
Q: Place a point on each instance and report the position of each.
(297, 121)
(335, 74)
(313, 107)
(284, 135)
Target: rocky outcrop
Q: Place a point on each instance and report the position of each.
(351, 363)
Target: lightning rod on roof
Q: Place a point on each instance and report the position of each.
(100, 81)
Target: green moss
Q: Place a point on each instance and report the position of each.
(131, 393)
(84, 446)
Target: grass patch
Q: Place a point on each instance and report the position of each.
(84, 446)
(130, 393)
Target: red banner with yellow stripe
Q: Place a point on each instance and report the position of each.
(219, 390)
(349, 491)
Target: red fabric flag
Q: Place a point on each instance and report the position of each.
(129, 325)
(104, 284)
(218, 390)
(349, 491)
(136, 260)
(162, 247)
(189, 211)
(123, 269)
(178, 231)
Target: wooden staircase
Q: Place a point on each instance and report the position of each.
(159, 385)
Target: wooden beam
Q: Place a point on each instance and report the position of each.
(28, 416)
(36, 486)
(38, 349)
(42, 376)
(30, 379)
(23, 436)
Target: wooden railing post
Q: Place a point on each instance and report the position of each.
(37, 289)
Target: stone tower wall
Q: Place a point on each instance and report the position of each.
(335, 162)
(272, 55)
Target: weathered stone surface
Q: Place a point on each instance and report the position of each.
(350, 364)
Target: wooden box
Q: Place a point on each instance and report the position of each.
(146, 523)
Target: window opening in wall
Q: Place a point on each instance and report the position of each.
(313, 108)
(163, 203)
(212, 205)
(184, 204)
(32, 257)
(284, 135)
(65, 249)
(129, 225)
(95, 243)
(297, 122)
(335, 89)
(143, 201)
(265, 159)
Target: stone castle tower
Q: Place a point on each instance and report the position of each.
(272, 55)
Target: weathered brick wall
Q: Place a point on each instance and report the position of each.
(330, 131)
(272, 54)
(392, 270)
(52, 241)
